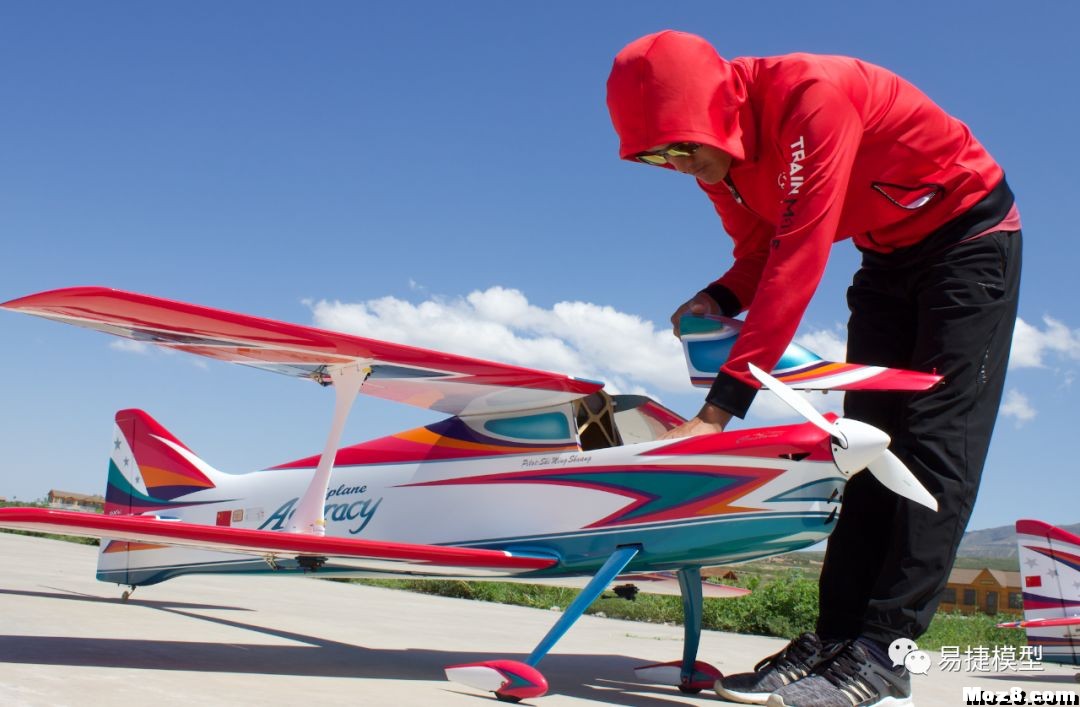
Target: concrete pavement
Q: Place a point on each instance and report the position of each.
(67, 639)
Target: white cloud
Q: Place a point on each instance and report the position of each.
(130, 346)
(594, 341)
(1016, 405)
(630, 354)
(830, 344)
(1031, 346)
(579, 338)
(769, 407)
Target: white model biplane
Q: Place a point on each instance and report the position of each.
(549, 476)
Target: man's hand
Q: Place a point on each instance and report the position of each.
(709, 420)
(699, 305)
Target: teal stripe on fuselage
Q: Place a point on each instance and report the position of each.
(663, 490)
(821, 490)
(714, 542)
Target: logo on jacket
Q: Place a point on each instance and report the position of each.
(792, 182)
(798, 155)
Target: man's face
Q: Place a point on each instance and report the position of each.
(708, 164)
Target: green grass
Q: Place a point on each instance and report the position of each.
(970, 631)
(1009, 564)
(783, 607)
(778, 608)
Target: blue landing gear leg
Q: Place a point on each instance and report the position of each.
(615, 564)
(690, 675)
(512, 681)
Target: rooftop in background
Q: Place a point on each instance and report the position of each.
(75, 501)
(982, 590)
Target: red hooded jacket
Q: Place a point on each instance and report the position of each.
(825, 148)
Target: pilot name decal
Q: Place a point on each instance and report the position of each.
(556, 460)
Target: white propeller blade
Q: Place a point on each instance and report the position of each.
(859, 445)
(795, 401)
(895, 476)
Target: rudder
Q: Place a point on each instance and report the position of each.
(150, 470)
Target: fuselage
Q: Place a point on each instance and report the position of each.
(709, 500)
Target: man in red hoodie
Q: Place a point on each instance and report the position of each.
(797, 152)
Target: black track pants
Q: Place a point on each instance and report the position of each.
(928, 308)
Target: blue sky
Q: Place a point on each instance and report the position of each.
(447, 173)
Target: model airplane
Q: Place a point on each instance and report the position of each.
(1050, 568)
(535, 477)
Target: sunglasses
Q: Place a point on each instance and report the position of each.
(675, 149)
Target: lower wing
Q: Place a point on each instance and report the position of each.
(273, 544)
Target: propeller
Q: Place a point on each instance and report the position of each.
(855, 445)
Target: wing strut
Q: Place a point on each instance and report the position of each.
(310, 516)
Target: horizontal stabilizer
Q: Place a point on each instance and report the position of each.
(1042, 623)
(707, 343)
(266, 543)
(452, 384)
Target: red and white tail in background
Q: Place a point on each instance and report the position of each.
(1050, 574)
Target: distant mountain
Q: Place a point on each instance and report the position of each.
(997, 542)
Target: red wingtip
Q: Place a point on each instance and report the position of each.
(1038, 527)
(51, 297)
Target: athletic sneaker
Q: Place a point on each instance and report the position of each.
(852, 678)
(796, 661)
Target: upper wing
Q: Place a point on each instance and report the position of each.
(273, 544)
(452, 384)
(707, 342)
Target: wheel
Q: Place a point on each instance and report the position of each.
(689, 690)
(507, 698)
(125, 595)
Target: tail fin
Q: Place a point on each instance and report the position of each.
(149, 468)
(1050, 570)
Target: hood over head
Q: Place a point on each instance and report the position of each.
(673, 87)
